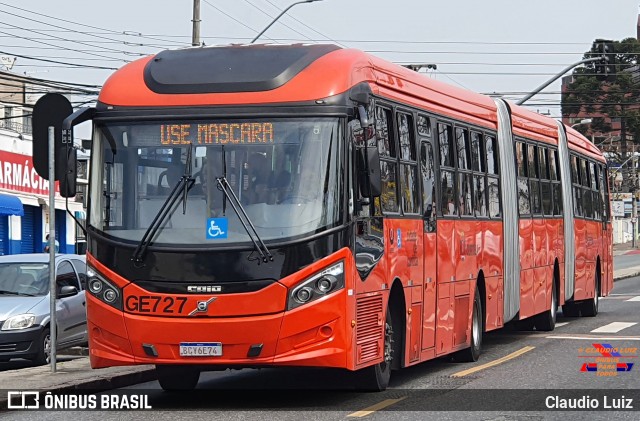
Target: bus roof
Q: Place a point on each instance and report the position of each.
(281, 74)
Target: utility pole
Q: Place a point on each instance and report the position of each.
(195, 35)
(634, 199)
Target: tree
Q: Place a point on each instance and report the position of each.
(614, 104)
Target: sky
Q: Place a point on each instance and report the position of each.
(507, 47)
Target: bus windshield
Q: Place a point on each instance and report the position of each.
(284, 172)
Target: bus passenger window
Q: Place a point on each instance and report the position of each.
(448, 200)
(492, 155)
(428, 184)
(445, 143)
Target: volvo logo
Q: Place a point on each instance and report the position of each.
(199, 289)
(202, 306)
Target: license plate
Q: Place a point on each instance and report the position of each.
(200, 349)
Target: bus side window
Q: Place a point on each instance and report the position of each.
(428, 186)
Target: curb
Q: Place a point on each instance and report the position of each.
(97, 385)
(76, 350)
(626, 276)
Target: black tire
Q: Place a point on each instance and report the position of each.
(526, 324)
(44, 348)
(570, 310)
(472, 353)
(376, 378)
(547, 321)
(589, 308)
(175, 378)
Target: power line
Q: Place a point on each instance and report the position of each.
(85, 66)
(72, 41)
(236, 20)
(88, 26)
(273, 17)
(58, 46)
(305, 25)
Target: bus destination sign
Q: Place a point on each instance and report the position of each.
(216, 133)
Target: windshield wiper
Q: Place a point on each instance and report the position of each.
(182, 187)
(4, 292)
(262, 249)
(22, 294)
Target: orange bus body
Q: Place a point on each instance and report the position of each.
(435, 273)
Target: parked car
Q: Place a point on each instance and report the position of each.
(25, 305)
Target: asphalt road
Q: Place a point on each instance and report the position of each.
(541, 363)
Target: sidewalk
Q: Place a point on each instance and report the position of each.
(625, 248)
(74, 371)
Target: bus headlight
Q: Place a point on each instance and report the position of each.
(323, 283)
(104, 290)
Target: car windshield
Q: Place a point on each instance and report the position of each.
(285, 173)
(24, 278)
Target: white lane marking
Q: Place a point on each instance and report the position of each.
(614, 327)
(635, 298)
(592, 338)
(562, 324)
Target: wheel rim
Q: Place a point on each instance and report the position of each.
(46, 346)
(476, 326)
(554, 307)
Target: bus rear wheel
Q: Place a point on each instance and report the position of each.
(547, 321)
(570, 309)
(589, 308)
(175, 378)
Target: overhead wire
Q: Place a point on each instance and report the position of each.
(273, 17)
(130, 33)
(234, 19)
(307, 26)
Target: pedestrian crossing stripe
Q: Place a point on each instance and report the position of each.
(635, 298)
(614, 327)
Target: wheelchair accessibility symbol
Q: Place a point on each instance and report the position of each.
(216, 228)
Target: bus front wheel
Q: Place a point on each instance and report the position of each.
(375, 378)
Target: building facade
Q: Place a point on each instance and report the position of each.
(24, 195)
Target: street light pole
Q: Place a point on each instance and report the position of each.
(278, 17)
(584, 121)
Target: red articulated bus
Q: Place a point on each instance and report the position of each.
(307, 205)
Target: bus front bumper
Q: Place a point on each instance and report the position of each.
(313, 335)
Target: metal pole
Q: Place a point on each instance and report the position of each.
(278, 17)
(553, 79)
(52, 249)
(634, 200)
(195, 35)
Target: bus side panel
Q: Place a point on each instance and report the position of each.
(527, 305)
(541, 280)
(491, 258)
(554, 230)
(607, 260)
(405, 243)
(581, 259)
(559, 250)
(448, 255)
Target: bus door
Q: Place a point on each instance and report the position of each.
(429, 244)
